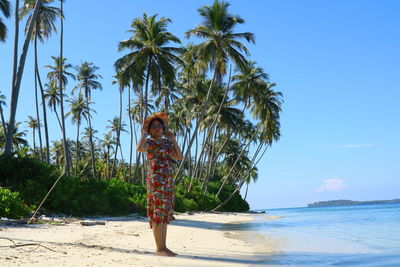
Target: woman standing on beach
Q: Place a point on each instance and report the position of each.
(159, 182)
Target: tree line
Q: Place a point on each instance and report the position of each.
(205, 87)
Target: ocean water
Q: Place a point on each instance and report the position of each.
(365, 235)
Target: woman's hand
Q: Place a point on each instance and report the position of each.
(168, 133)
(144, 130)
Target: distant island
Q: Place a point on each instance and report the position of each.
(345, 202)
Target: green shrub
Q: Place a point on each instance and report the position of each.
(11, 205)
(33, 178)
(237, 203)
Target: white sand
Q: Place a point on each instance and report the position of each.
(128, 241)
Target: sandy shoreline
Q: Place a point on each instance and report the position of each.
(127, 241)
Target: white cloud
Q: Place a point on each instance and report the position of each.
(331, 185)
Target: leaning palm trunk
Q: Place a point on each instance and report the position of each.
(215, 120)
(16, 82)
(201, 116)
(236, 161)
(242, 180)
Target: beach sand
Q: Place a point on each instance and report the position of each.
(199, 239)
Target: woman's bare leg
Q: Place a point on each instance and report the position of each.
(158, 233)
(164, 230)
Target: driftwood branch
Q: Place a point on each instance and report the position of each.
(15, 245)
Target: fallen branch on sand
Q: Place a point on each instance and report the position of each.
(15, 245)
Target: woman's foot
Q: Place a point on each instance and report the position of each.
(170, 251)
(165, 252)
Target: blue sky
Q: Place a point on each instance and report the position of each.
(336, 62)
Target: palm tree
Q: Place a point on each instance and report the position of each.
(2, 102)
(87, 78)
(248, 82)
(43, 28)
(53, 99)
(6, 10)
(107, 144)
(60, 78)
(34, 125)
(61, 85)
(17, 74)
(18, 139)
(150, 57)
(167, 95)
(116, 127)
(79, 110)
(220, 46)
(88, 134)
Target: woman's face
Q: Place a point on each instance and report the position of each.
(156, 128)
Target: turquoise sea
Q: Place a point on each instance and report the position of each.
(364, 235)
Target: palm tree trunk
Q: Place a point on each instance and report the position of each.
(108, 162)
(247, 189)
(36, 96)
(118, 131)
(91, 140)
(240, 183)
(46, 130)
(203, 110)
(16, 34)
(147, 88)
(210, 161)
(131, 134)
(3, 122)
(77, 149)
(230, 197)
(66, 155)
(16, 82)
(236, 161)
(34, 142)
(58, 119)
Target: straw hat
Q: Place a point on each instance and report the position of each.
(160, 115)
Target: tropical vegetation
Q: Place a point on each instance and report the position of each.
(223, 109)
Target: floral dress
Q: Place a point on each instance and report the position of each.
(159, 182)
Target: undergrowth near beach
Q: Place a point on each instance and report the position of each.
(25, 181)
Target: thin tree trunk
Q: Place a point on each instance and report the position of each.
(60, 72)
(108, 162)
(16, 35)
(247, 189)
(16, 82)
(240, 183)
(58, 119)
(236, 161)
(131, 134)
(3, 122)
(197, 126)
(77, 148)
(118, 130)
(46, 131)
(147, 89)
(36, 96)
(91, 140)
(210, 160)
(33, 139)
